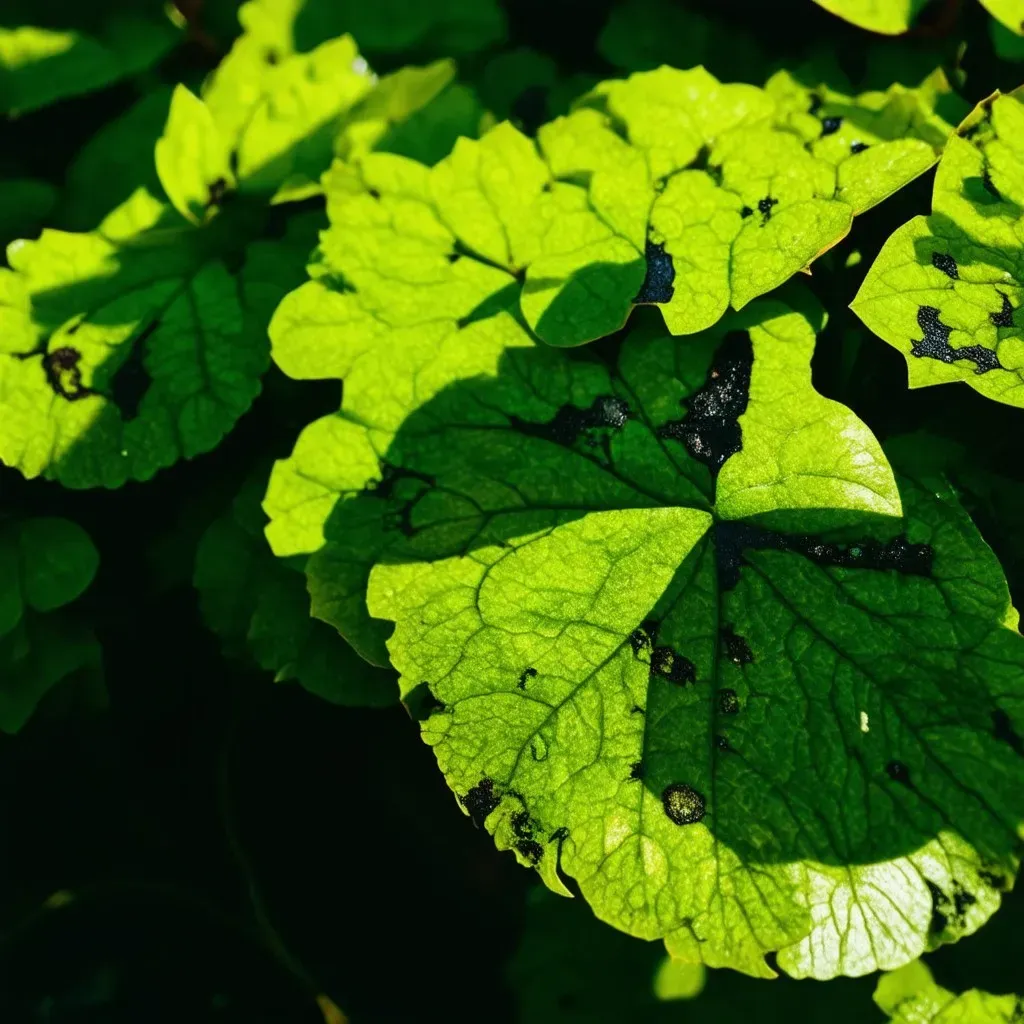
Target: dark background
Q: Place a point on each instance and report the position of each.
(224, 848)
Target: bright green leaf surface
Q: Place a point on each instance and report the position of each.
(890, 17)
(945, 289)
(1009, 13)
(910, 996)
(42, 64)
(802, 770)
(259, 607)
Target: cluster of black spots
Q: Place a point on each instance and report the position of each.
(669, 664)
(898, 554)
(570, 421)
(764, 207)
(643, 636)
(702, 161)
(64, 374)
(636, 772)
(728, 702)
(659, 279)
(216, 193)
(951, 909)
(527, 673)
(710, 430)
(522, 828)
(898, 772)
(944, 262)
(374, 193)
(683, 804)
(935, 344)
(131, 381)
(1003, 730)
(994, 879)
(722, 745)
(830, 125)
(735, 648)
(480, 801)
(858, 147)
(1004, 318)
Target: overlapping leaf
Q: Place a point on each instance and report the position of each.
(716, 194)
(652, 663)
(890, 17)
(259, 607)
(1008, 12)
(51, 49)
(910, 996)
(45, 564)
(946, 289)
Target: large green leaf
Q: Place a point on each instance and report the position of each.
(719, 194)
(945, 289)
(259, 607)
(890, 17)
(742, 735)
(53, 49)
(910, 996)
(45, 564)
(1008, 12)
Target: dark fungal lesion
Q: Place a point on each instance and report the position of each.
(764, 207)
(527, 673)
(728, 702)
(898, 555)
(683, 804)
(660, 276)
(710, 431)
(570, 422)
(481, 800)
(1004, 318)
(734, 647)
(830, 125)
(858, 147)
(636, 772)
(669, 664)
(523, 828)
(935, 344)
(64, 374)
(949, 910)
(944, 262)
(898, 772)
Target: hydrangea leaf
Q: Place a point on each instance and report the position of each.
(1008, 12)
(911, 996)
(81, 51)
(45, 564)
(890, 17)
(192, 158)
(259, 607)
(130, 347)
(766, 747)
(945, 288)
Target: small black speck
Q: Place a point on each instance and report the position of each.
(728, 702)
(480, 801)
(683, 804)
(527, 673)
(1004, 318)
(746, 211)
(454, 257)
(898, 772)
(271, 57)
(858, 147)
(722, 744)
(764, 207)
(944, 262)
(374, 193)
(830, 125)
(636, 771)
(736, 649)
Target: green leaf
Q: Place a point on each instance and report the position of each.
(45, 564)
(592, 224)
(890, 17)
(945, 288)
(192, 158)
(910, 996)
(738, 737)
(259, 607)
(72, 50)
(130, 347)
(1009, 13)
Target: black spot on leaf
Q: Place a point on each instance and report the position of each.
(898, 772)
(1004, 318)
(64, 374)
(815, 104)
(638, 640)
(994, 879)
(745, 211)
(672, 666)
(636, 771)
(531, 850)
(935, 344)
(271, 56)
(683, 804)
(830, 125)
(764, 207)
(527, 673)
(480, 801)
(374, 194)
(962, 902)
(728, 702)
(736, 649)
(722, 744)
(858, 147)
(1002, 729)
(940, 904)
(522, 825)
(944, 262)
(217, 192)
(710, 430)
(559, 835)
(570, 422)
(660, 275)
